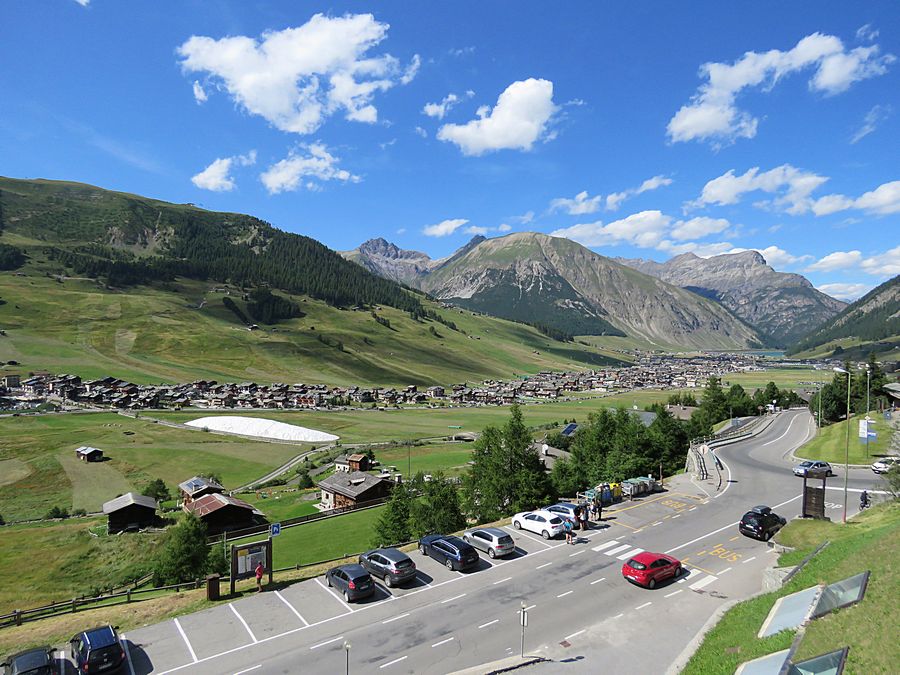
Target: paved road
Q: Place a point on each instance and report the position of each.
(580, 611)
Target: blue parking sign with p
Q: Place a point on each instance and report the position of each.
(275, 529)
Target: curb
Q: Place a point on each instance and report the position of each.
(502, 666)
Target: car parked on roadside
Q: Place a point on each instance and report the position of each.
(813, 468)
(393, 567)
(545, 523)
(885, 464)
(98, 650)
(761, 522)
(492, 540)
(351, 580)
(41, 661)
(449, 550)
(564, 509)
(649, 569)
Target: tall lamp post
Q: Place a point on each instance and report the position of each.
(347, 662)
(847, 449)
(868, 376)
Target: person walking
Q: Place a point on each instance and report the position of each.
(584, 518)
(599, 510)
(259, 575)
(567, 526)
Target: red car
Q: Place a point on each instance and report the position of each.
(649, 569)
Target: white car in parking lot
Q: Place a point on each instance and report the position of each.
(544, 523)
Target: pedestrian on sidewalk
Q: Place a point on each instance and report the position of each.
(599, 510)
(259, 575)
(584, 518)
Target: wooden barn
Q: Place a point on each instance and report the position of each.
(197, 487)
(88, 454)
(223, 512)
(130, 511)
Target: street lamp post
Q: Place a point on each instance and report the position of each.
(347, 661)
(868, 375)
(523, 619)
(847, 449)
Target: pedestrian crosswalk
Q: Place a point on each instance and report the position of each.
(616, 549)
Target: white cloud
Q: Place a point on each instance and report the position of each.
(614, 200)
(296, 77)
(402, 230)
(886, 264)
(477, 229)
(199, 93)
(578, 206)
(847, 292)
(524, 219)
(697, 228)
(520, 118)
(462, 51)
(775, 256)
(438, 110)
(838, 260)
(387, 144)
(83, 3)
(216, 178)
(421, 132)
(866, 33)
(883, 200)
(410, 72)
(444, 228)
(712, 114)
(503, 227)
(701, 250)
(873, 118)
(645, 229)
(298, 171)
(793, 185)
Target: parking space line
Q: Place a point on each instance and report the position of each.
(390, 663)
(394, 618)
(241, 619)
(658, 522)
(753, 557)
(676, 516)
(442, 642)
(128, 654)
(291, 607)
(523, 533)
(489, 623)
(562, 595)
(646, 604)
(544, 565)
(334, 595)
(604, 545)
(692, 508)
(572, 555)
(519, 611)
(727, 569)
(674, 593)
(327, 642)
(597, 581)
(619, 616)
(501, 581)
(569, 637)
(185, 638)
(455, 597)
(629, 554)
(247, 670)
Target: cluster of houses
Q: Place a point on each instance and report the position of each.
(651, 371)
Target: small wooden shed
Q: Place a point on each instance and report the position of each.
(130, 511)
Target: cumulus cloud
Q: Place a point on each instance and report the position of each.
(304, 170)
(614, 200)
(873, 118)
(644, 229)
(216, 177)
(580, 205)
(791, 184)
(697, 228)
(775, 256)
(83, 3)
(503, 227)
(838, 260)
(199, 93)
(883, 200)
(296, 77)
(712, 114)
(866, 33)
(885, 264)
(702, 250)
(477, 229)
(438, 110)
(519, 119)
(848, 292)
(444, 228)
(419, 131)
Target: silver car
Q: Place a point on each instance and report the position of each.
(494, 541)
(885, 464)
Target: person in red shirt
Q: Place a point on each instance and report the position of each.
(259, 575)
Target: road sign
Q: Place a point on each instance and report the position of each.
(275, 529)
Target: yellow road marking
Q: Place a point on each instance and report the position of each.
(732, 539)
(623, 525)
(697, 567)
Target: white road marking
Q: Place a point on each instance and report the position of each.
(524, 534)
(489, 623)
(544, 565)
(618, 549)
(186, 641)
(678, 516)
(706, 581)
(394, 618)
(646, 604)
(674, 593)
(527, 608)
(727, 569)
(658, 522)
(291, 607)
(455, 597)
(619, 616)
(692, 508)
(501, 581)
(562, 595)
(629, 554)
(604, 545)
(127, 654)
(787, 431)
(247, 670)
(241, 619)
(569, 637)
(597, 581)
(327, 642)
(390, 663)
(681, 581)
(572, 555)
(442, 642)
(331, 592)
(753, 557)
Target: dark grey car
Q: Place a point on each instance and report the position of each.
(351, 580)
(492, 540)
(390, 565)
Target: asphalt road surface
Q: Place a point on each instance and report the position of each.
(580, 610)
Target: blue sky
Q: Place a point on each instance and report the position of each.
(638, 129)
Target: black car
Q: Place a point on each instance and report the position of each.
(449, 550)
(98, 650)
(32, 662)
(392, 566)
(351, 580)
(761, 522)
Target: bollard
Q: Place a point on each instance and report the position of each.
(74, 600)
(128, 597)
(17, 615)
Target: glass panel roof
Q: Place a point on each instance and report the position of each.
(789, 611)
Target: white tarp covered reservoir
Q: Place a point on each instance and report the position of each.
(263, 428)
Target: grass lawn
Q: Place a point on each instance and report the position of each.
(451, 458)
(869, 542)
(831, 442)
(41, 452)
(57, 561)
(784, 378)
(324, 539)
(281, 503)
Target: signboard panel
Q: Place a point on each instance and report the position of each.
(814, 502)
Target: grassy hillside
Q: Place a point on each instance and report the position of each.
(831, 442)
(181, 330)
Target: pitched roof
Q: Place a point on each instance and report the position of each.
(87, 450)
(198, 483)
(350, 485)
(128, 499)
(209, 503)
